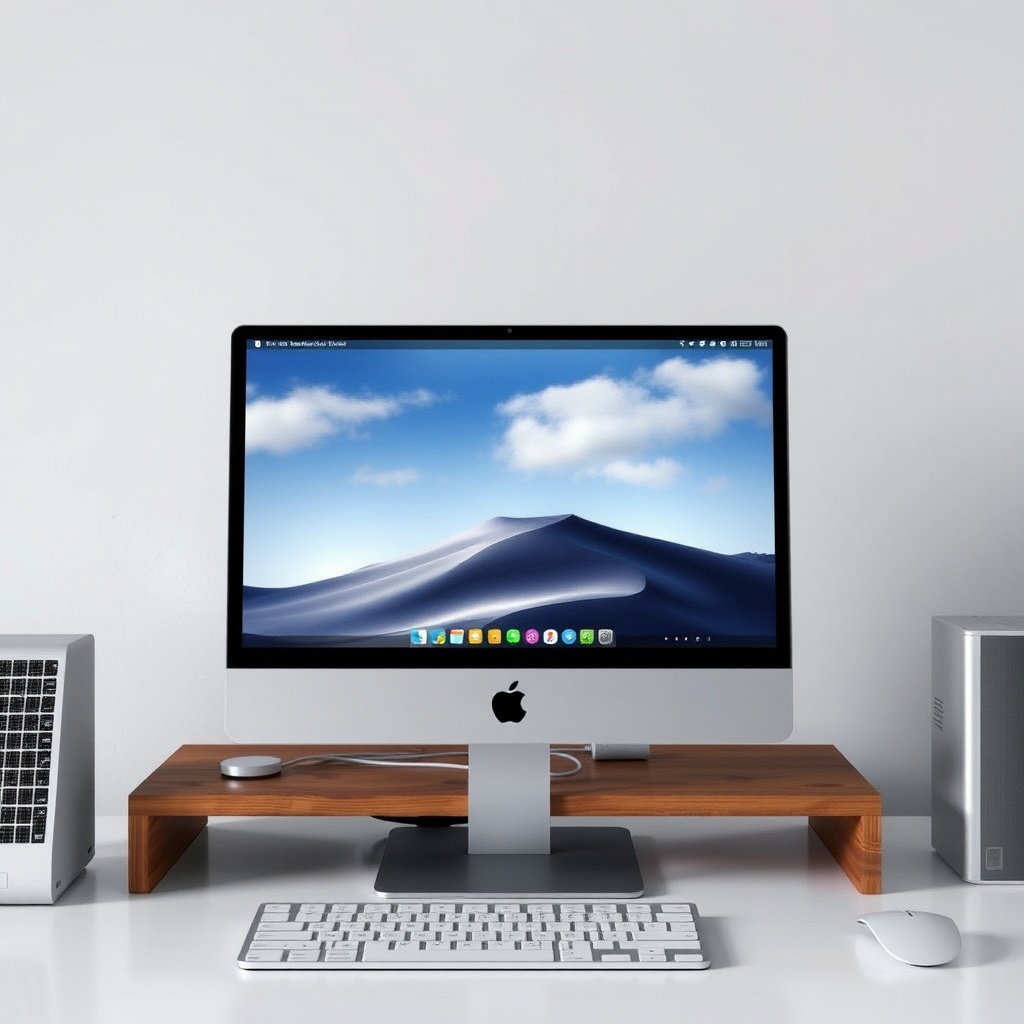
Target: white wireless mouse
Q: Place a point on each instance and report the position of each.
(914, 936)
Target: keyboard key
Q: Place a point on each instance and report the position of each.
(264, 956)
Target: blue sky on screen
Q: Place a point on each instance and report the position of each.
(363, 455)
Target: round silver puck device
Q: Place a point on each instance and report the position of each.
(250, 766)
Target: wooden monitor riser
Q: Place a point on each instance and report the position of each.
(170, 808)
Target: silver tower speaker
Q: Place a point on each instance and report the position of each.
(978, 746)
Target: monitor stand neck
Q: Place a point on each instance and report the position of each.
(509, 798)
(509, 848)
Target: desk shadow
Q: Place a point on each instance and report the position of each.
(104, 880)
(913, 870)
(714, 935)
(230, 854)
(980, 949)
(767, 849)
(783, 846)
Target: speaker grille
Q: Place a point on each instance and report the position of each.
(938, 713)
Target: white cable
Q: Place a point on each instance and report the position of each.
(577, 764)
(400, 759)
(411, 759)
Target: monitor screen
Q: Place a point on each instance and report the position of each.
(586, 512)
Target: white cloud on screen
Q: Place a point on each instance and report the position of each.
(659, 473)
(603, 427)
(385, 477)
(309, 414)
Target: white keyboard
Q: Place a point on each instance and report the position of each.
(500, 935)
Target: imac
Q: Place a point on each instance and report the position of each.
(500, 538)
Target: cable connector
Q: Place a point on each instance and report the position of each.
(620, 751)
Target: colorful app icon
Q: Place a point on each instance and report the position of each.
(586, 636)
(551, 636)
(475, 636)
(606, 637)
(494, 636)
(531, 636)
(568, 636)
(438, 637)
(512, 636)
(456, 636)
(418, 637)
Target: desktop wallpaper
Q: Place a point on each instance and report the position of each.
(406, 494)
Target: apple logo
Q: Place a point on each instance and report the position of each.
(507, 705)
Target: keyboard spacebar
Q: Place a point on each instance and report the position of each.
(380, 952)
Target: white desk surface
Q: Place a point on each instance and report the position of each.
(779, 915)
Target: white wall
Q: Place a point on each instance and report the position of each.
(851, 171)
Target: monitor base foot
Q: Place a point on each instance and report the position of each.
(585, 863)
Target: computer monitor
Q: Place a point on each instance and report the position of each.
(503, 537)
